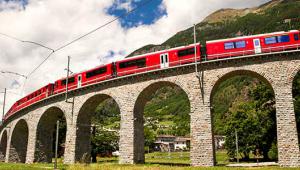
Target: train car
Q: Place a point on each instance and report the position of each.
(84, 78)
(255, 44)
(34, 97)
(60, 85)
(218, 49)
(95, 75)
(158, 60)
(280, 41)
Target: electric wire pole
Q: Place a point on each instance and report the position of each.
(195, 50)
(237, 146)
(56, 144)
(67, 79)
(4, 98)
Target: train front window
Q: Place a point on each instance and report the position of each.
(270, 40)
(296, 37)
(240, 44)
(229, 45)
(283, 38)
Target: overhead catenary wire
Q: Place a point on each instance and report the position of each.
(10, 72)
(26, 41)
(88, 33)
(10, 92)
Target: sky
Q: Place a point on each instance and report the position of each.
(54, 23)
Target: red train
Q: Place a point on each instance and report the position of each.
(212, 50)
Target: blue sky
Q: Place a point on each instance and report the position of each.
(22, 2)
(145, 15)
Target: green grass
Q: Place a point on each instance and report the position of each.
(35, 166)
(114, 166)
(154, 161)
(174, 158)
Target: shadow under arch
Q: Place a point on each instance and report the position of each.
(146, 95)
(3, 145)
(45, 134)
(296, 100)
(19, 142)
(232, 74)
(83, 126)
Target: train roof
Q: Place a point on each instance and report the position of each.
(250, 36)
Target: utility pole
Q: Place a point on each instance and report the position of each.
(237, 146)
(195, 50)
(67, 79)
(4, 99)
(56, 144)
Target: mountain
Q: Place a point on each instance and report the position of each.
(276, 15)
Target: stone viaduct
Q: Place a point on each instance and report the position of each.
(26, 137)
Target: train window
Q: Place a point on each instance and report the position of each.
(296, 37)
(240, 44)
(139, 63)
(96, 72)
(283, 38)
(70, 80)
(186, 52)
(270, 40)
(229, 45)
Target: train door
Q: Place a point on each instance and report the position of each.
(79, 78)
(114, 69)
(164, 60)
(257, 46)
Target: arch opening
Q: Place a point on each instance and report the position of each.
(19, 141)
(296, 99)
(243, 109)
(3, 145)
(97, 135)
(46, 135)
(162, 125)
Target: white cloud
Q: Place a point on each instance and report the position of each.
(125, 5)
(56, 22)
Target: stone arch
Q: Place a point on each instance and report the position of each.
(233, 73)
(45, 134)
(230, 74)
(83, 125)
(138, 112)
(3, 145)
(19, 142)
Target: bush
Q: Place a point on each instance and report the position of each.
(273, 152)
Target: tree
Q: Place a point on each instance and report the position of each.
(104, 143)
(255, 123)
(106, 122)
